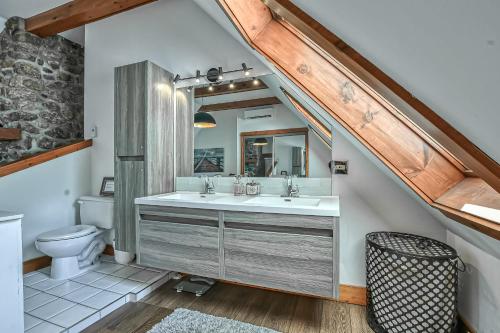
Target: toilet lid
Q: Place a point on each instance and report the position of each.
(74, 231)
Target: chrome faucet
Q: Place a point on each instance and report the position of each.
(292, 191)
(208, 184)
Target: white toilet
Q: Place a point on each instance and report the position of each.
(76, 249)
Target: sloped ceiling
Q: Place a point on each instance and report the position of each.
(444, 52)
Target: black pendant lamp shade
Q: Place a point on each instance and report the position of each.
(204, 120)
(260, 142)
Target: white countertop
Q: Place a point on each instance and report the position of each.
(9, 216)
(304, 205)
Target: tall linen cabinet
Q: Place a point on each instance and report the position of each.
(144, 142)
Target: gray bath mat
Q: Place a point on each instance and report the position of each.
(187, 321)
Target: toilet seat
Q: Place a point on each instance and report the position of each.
(75, 231)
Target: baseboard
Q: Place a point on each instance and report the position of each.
(464, 326)
(44, 261)
(352, 294)
(36, 264)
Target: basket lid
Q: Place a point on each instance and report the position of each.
(411, 244)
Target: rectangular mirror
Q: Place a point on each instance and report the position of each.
(251, 131)
(270, 153)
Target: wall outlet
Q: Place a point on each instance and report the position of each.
(340, 167)
(93, 132)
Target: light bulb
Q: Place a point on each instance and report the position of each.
(231, 85)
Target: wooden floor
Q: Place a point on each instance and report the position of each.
(279, 311)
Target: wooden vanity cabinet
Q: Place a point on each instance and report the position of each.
(288, 252)
(281, 251)
(144, 142)
(178, 239)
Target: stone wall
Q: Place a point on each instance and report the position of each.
(41, 90)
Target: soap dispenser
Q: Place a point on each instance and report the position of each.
(238, 186)
(253, 188)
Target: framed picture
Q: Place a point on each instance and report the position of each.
(284, 173)
(209, 160)
(108, 186)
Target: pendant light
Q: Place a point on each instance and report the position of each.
(204, 120)
(260, 142)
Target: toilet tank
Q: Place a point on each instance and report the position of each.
(96, 211)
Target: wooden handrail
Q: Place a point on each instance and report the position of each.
(39, 158)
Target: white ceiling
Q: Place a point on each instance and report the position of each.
(27, 8)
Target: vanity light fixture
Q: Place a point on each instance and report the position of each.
(246, 70)
(260, 142)
(189, 89)
(204, 120)
(210, 87)
(255, 81)
(214, 74)
(231, 84)
(177, 78)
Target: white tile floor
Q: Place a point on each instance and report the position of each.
(72, 305)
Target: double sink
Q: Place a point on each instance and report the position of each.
(265, 203)
(268, 200)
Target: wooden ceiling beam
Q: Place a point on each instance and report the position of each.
(77, 13)
(222, 89)
(438, 130)
(249, 103)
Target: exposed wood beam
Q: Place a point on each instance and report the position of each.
(249, 103)
(77, 13)
(241, 86)
(424, 117)
(39, 158)
(297, 130)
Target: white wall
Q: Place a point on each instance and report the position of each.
(370, 201)
(479, 293)
(175, 34)
(46, 194)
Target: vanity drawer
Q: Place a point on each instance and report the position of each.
(188, 213)
(299, 221)
(182, 247)
(293, 262)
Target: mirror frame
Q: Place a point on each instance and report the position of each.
(293, 131)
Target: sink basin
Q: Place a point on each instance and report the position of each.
(284, 202)
(191, 197)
